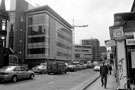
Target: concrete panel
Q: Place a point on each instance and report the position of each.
(52, 37)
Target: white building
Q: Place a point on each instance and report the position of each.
(83, 53)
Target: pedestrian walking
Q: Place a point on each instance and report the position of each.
(110, 69)
(103, 74)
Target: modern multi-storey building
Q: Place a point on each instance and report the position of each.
(40, 34)
(102, 50)
(83, 53)
(95, 47)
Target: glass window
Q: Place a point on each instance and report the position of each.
(77, 55)
(23, 69)
(29, 30)
(17, 69)
(36, 30)
(40, 18)
(46, 20)
(36, 39)
(35, 19)
(30, 20)
(40, 29)
(36, 51)
(3, 24)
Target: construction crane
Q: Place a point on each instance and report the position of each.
(73, 31)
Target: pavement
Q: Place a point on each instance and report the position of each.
(85, 84)
(96, 85)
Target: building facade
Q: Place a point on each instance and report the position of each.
(3, 34)
(47, 37)
(103, 50)
(83, 53)
(40, 34)
(11, 28)
(95, 47)
(123, 33)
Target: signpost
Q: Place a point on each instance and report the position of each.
(119, 37)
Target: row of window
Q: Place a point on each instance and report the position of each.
(64, 54)
(37, 39)
(77, 55)
(38, 19)
(66, 31)
(36, 30)
(37, 51)
(84, 47)
(63, 37)
(37, 55)
(62, 28)
(86, 51)
(63, 45)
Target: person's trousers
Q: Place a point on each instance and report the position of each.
(104, 80)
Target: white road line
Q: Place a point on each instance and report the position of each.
(50, 82)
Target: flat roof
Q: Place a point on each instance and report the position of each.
(50, 10)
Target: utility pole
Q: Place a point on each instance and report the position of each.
(74, 26)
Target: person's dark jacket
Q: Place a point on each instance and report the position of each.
(110, 67)
(103, 70)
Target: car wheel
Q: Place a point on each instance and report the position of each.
(14, 78)
(31, 76)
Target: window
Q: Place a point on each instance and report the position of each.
(30, 21)
(36, 51)
(3, 24)
(17, 69)
(36, 39)
(29, 30)
(23, 69)
(36, 30)
(77, 55)
(40, 29)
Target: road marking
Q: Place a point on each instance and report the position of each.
(50, 82)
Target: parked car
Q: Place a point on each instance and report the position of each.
(15, 73)
(71, 68)
(42, 69)
(56, 67)
(78, 67)
(84, 66)
(90, 65)
(97, 68)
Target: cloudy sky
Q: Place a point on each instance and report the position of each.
(98, 14)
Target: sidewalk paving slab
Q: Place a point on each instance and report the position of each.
(86, 83)
(111, 84)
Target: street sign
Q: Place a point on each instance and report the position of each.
(110, 43)
(118, 33)
(130, 42)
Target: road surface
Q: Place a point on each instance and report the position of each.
(51, 82)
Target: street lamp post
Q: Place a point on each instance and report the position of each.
(74, 26)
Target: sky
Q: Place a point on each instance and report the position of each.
(97, 14)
